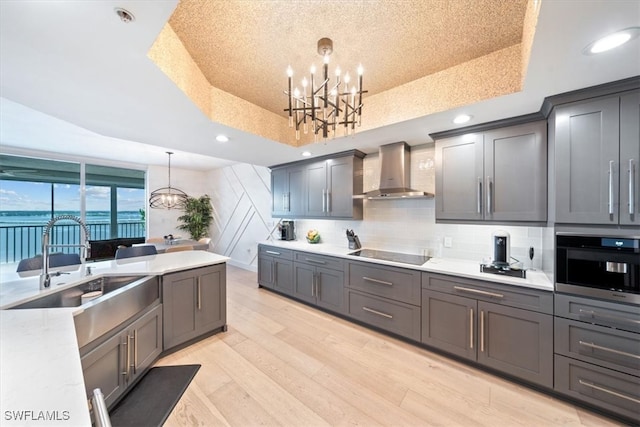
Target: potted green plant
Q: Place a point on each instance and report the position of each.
(198, 216)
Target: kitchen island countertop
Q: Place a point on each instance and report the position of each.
(536, 279)
(40, 370)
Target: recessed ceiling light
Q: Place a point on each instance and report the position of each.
(462, 118)
(125, 15)
(611, 41)
(306, 153)
(222, 138)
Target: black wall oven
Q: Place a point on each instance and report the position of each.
(599, 266)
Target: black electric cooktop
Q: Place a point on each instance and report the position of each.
(391, 256)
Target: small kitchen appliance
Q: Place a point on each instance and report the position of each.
(599, 266)
(501, 249)
(501, 257)
(287, 230)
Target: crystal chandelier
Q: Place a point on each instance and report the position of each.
(168, 197)
(325, 107)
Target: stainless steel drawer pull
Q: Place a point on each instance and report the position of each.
(126, 352)
(135, 350)
(477, 291)
(609, 316)
(199, 290)
(610, 187)
(379, 313)
(611, 392)
(610, 350)
(381, 282)
(632, 190)
(316, 261)
(471, 328)
(273, 252)
(479, 196)
(482, 331)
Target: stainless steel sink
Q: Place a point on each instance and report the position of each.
(123, 298)
(72, 297)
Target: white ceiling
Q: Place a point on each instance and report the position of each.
(75, 80)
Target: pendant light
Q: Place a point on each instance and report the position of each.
(168, 197)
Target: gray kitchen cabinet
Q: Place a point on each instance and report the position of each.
(597, 353)
(275, 268)
(499, 175)
(319, 280)
(117, 363)
(383, 313)
(630, 159)
(597, 149)
(385, 297)
(480, 326)
(194, 303)
(613, 391)
(319, 189)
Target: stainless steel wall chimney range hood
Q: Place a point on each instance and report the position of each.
(395, 173)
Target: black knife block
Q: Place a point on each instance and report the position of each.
(354, 242)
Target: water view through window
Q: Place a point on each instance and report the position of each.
(32, 191)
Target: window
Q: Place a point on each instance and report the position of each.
(32, 191)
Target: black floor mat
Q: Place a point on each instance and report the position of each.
(151, 401)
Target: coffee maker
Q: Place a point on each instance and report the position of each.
(501, 248)
(287, 231)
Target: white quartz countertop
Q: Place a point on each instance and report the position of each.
(457, 267)
(41, 380)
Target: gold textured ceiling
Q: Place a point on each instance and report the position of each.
(231, 56)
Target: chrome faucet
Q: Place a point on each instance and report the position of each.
(45, 276)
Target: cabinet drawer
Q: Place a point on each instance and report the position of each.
(603, 346)
(319, 260)
(395, 283)
(514, 296)
(620, 316)
(613, 391)
(393, 316)
(275, 252)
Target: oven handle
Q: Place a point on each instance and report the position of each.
(594, 314)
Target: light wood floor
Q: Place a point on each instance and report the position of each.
(283, 363)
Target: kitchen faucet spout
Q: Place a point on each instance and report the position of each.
(45, 276)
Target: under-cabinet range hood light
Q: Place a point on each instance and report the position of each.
(395, 172)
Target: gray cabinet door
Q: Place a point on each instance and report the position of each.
(393, 316)
(105, 367)
(448, 323)
(146, 344)
(316, 201)
(586, 162)
(340, 202)
(517, 342)
(304, 282)
(515, 178)
(266, 271)
(459, 178)
(297, 178)
(279, 192)
(194, 303)
(330, 289)
(613, 391)
(283, 276)
(211, 299)
(630, 159)
(179, 302)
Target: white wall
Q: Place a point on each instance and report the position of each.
(242, 203)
